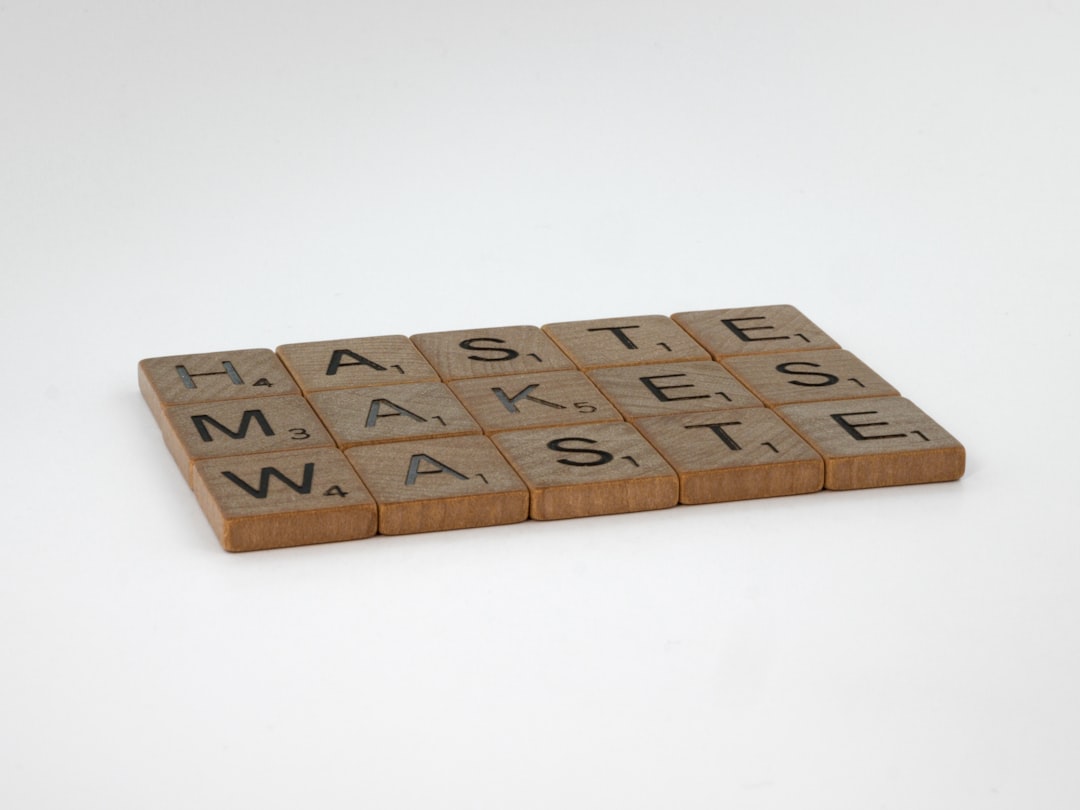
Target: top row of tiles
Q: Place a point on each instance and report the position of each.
(446, 356)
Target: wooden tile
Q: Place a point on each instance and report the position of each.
(666, 388)
(534, 400)
(739, 454)
(241, 427)
(490, 352)
(274, 500)
(596, 469)
(877, 442)
(625, 341)
(753, 330)
(356, 362)
(391, 413)
(189, 378)
(439, 484)
(808, 376)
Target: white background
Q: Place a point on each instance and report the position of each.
(181, 178)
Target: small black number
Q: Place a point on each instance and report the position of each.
(722, 394)
(632, 460)
(482, 477)
(535, 356)
(852, 379)
(439, 419)
(666, 347)
(263, 381)
(336, 490)
(921, 435)
(399, 368)
(801, 335)
(299, 433)
(585, 407)
(771, 446)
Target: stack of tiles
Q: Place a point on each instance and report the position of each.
(344, 439)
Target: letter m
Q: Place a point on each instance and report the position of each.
(203, 420)
(267, 473)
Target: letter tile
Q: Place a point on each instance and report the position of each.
(274, 500)
(734, 455)
(491, 352)
(439, 484)
(787, 378)
(625, 341)
(356, 362)
(876, 442)
(753, 330)
(666, 388)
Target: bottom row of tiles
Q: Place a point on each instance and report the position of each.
(273, 500)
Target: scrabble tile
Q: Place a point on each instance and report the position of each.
(240, 427)
(876, 442)
(596, 469)
(491, 352)
(625, 341)
(790, 377)
(753, 330)
(189, 378)
(534, 400)
(665, 388)
(739, 454)
(390, 413)
(274, 500)
(439, 484)
(352, 363)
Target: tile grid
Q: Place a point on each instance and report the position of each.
(494, 426)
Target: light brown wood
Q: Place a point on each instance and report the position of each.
(625, 341)
(739, 454)
(534, 400)
(790, 377)
(354, 362)
(753, 330)
(877, 442)
(185, 379)
(491, 352)
(274, 500)
(241, 427)
(597, 469)
(391, 413)
(440, 484)
(666, 388)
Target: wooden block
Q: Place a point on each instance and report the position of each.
(491, 352)
(440, 484)
(534, 400)
(241, 427)
(625, 341)
(185, 379)
(274, 500)
(876, 442)
(356, 362)
(666, 388)
(391, 413)
(596, 469)
(753, 330)
(739, 454)
(780, 379)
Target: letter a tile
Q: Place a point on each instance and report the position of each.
(439, 484)
(597, 469)
(274, 500)
(331, 364)
(877, 442)
(734, 455)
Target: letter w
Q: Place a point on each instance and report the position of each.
(264, 481)
(202, 421)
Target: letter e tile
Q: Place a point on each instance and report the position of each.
(876, 442)
(753, 330)
(274, 500)
(597, 469)
(665, 388)
(734, 455)
(439, 484)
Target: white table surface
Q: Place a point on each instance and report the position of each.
(202, 176)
